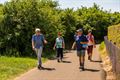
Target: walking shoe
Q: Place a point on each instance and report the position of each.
(58, 60)
(61, 60)
(40, 67)
(80, 67)
(89, 58)
(83, 69)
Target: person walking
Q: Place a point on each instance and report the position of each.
(80, 40)
(38, 41)
(91, 44)
(59, 46)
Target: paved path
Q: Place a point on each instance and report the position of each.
(68, 70)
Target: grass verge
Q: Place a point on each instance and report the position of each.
(11, 67)
(106, 63)
(102, 50)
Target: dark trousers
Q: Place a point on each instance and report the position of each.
(90, 50)
(60, 53)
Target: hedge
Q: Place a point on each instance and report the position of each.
(114, 34)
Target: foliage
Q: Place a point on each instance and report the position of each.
(114, 34)
(102, 46)
(21, 17)
(11, 67)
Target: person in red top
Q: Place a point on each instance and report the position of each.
(91, 44)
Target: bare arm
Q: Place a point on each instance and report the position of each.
(54, 46)
(45, 41)
(83, 42)
(33, 45)
(63, 45)
(73, 46)
(94, 43)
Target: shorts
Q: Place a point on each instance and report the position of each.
(81, 53)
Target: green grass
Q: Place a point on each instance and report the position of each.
(102, 50)
(10, 67)
(102, 46)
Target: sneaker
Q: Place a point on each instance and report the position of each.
(58, 60)
(83, 69)
(61, 60)
(80, 67)
(40, 67)
(88, 57)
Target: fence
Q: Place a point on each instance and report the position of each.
(114, 53)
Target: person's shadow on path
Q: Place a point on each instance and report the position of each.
(98, 61)
(66, 62)
(48, 69)
(92, 70)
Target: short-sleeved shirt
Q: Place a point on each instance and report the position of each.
(38, 40)
(79, 39)
(59, 42)
(90, 40)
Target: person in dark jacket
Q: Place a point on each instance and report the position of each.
(80, 42)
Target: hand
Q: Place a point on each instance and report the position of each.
(81, 43)
(45, 42)
(72, 47)
(33, 48)
(94, 46)
(63, 47)
(53, 48)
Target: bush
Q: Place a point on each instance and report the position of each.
(114, 34)
(102, 46)
(19, 18)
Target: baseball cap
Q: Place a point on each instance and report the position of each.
(79, 30)
(37, 30)
(89, 30)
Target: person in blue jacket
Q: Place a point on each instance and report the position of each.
(38, 41)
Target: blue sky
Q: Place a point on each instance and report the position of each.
(114, 5)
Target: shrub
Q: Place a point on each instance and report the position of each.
(114, 34)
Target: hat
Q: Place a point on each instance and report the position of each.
(89, 30)
(79, 30)
(37, 30)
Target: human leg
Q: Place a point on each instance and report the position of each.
(61, 53)
(90, 52)
(82, 52)
(39, 53)
(58, 54)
